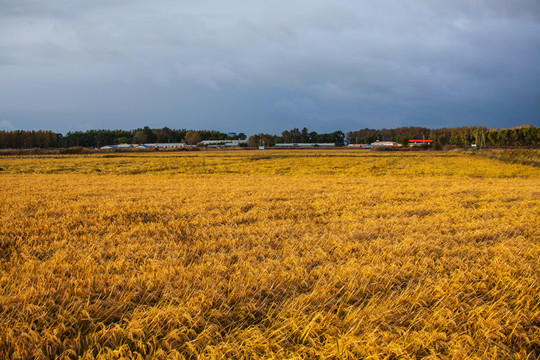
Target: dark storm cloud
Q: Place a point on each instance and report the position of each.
(259, 66)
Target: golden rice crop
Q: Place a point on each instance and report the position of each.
(269, 254)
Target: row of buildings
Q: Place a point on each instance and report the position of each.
(210, 144)
(206, 143)
(412, 142)
(146, 146)
(237, 143)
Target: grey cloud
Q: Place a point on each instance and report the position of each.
(320, 62)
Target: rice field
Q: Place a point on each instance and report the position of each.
(291, 254)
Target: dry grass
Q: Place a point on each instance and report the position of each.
(284, 254)
(515, 156)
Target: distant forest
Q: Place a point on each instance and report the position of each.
(525, 135)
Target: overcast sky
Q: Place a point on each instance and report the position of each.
(261, 66)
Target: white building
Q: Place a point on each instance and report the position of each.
(218, 143)
(145, 146)
(384, 143)
(162, 145)
(284, 145)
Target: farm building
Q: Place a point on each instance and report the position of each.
(384, 143)
(285, 145)
(219, 143)
(416, 142)
(144, 146)
(162, 145)
(121, 146)
(362, 146)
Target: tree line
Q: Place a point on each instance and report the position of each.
(21, 139)
(465, 136)
(526, 135)
(297, 136)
